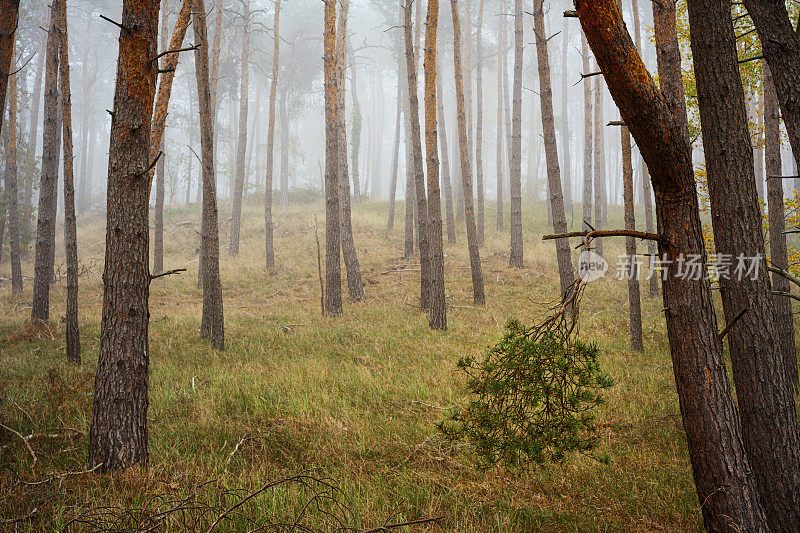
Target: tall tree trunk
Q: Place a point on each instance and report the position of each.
(212, 325)
(118, 433)
(284, 118)
(566, 135)
(354, 284)
(88, 101)
(479, 121)
(448, 188)
(158, 215)
(634, 298)
(466, 170)
(758, 152)
(784, 326)
(438, 315)
(46, 221)
(419, 172)
(9, 15)
(725, 489)
(599, 160)
(377, 172)
(33, 129)
(515, 257)
(563, 252)
(501, 51)
(395, 154)
(587, 134)
(70, 231)
(241, 146)
(333, 277)
(168, 67)
(273, 86)
(763, 389)
(11, 182)
(356, 122)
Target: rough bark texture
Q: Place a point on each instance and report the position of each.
(212, 325)
(784, 325)
(466, 170)
(11, 182)
(158, 214)
(763, 390)
(448, 188)
(355, 285)
(599, 160)
(515, 171)
(780, 44)
(634, 299)
(273, 86)
(725, 489)
(563, 252)
(587, 134)
(438, 315)
(46, 219)
(9, 15)
(479, 120)
(241, 146)
(419, 173)
(73, 341)
(118, 433)
(333, 276)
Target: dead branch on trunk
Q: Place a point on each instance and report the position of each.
(167, 273)
(728, 326)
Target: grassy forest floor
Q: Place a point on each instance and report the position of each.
(352, 400)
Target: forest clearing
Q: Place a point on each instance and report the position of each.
(353, 400)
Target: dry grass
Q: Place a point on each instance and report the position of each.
(355, 398)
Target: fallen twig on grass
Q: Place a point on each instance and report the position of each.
(23, 439)
(390, 527)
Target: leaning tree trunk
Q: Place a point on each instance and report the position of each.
(9, 15)
(118, 433)
(417, 161)
(241, 147)
(479, 122)
(354, 284)
(784, 327)
(212, 325)
(763, 389)
(634, 298)
(658, 124)
(563, 253)
(501, 50)
(273, 86)
(12, 192)
(448, 188)
(333, 276)
(515, 257)
(466, 165)
(599, 160)
(438, 317)
(587, 134)
(46, 221)
(168, 67)
(70, 231)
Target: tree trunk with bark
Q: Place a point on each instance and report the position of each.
(355, 285)
(11, 182)
(333, 276)
(9, 15)
(446, 181)
(563, 252)
(566, 135)
(438, 310)
(213, 324)
(764, 393)
(158, 214)
(284, 121)
(241, 146)
(501, 51)
(634, 297)
(599, 160)
(118, 433)
(725, 488)
(466, 171)
(784, 323)
(479, 121)
(419, 172)
(355, 127)
(515, 257)
(273, 86)
(587, 134)
(395, 153)
(46, 219)
(73, 344)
